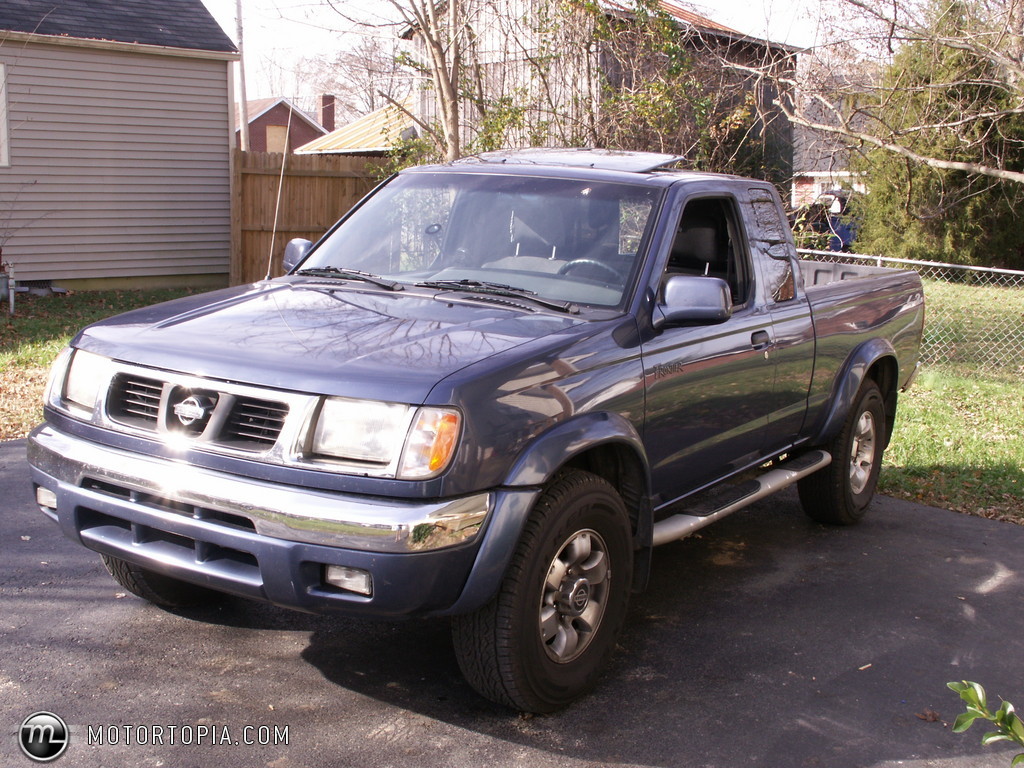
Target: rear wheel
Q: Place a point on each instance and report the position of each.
(546, 636)
(840, 493)
(165, 591)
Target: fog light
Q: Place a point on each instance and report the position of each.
(349, 579)
(46, 498)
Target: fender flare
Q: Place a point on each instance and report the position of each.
(848, 383)
(552, 449)
(524, 483)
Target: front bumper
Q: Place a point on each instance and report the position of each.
(263, 540)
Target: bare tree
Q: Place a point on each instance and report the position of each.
(466, 54)
(926, 97)
(499, 73)
(688, 86)
(857, 88)
(363, 77)
(446, 36)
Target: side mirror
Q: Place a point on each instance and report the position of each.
(295, 252)
(693, 300)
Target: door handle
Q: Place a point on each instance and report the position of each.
(760, 339)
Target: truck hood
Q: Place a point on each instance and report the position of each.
(311, 336)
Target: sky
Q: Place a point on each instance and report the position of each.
(278, 33)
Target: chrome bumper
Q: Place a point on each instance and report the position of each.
(283, 512)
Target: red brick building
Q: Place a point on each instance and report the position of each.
(273, 123)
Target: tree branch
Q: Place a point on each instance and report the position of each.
(427, 129)
(898, 149)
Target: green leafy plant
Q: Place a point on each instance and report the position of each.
(1008, 726)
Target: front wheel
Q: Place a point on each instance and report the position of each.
(840, 493)
(165, 591)
(545, 637)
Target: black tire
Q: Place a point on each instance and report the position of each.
(544, 639)
(165, 591)
(840, 493)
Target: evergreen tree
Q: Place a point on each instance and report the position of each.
(923, 212)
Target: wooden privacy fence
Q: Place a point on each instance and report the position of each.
(315, 190)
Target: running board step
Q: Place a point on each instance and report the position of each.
(681, 526)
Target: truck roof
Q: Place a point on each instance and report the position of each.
(603, 159)
(605, 164)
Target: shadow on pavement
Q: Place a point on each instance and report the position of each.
(766, 641)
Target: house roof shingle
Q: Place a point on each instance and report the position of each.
(695, 21)
(166, 23)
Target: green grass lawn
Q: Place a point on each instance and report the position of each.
(975, 329)
(32, 338)
(959, 444)
(959, 440)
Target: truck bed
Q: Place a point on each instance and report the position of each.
(823, 273)
(855, 304)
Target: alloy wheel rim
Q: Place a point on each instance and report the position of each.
(862, 452)
(574, 596)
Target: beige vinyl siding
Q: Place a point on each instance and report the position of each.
(119, 163)
(4, 153)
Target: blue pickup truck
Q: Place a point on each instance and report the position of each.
(487, 393)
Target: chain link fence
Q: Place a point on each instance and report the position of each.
(974, 316)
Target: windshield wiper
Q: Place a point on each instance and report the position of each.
(499, 289)
(351, 274)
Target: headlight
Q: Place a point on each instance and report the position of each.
(78, 380)
(414, 443)
(55, 381)
(87, 379)
(361, 430)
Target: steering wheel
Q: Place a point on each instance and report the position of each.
(582, 263)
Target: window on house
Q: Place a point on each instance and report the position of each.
(5, 152)
(277, 136)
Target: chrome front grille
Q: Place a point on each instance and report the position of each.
(134, 400)
(189, 412)
(214, 415)
(255, 422)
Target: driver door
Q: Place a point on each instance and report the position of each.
(709, 387)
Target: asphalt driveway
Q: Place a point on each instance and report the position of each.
(766, 641)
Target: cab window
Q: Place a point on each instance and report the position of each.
(707, 243)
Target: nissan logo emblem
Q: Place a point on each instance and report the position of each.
(190, 410)
(581, 597)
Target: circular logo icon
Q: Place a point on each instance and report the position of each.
(43, 737)
(581, 597)
(190, 410)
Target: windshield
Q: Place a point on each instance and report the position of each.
(561, 239)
